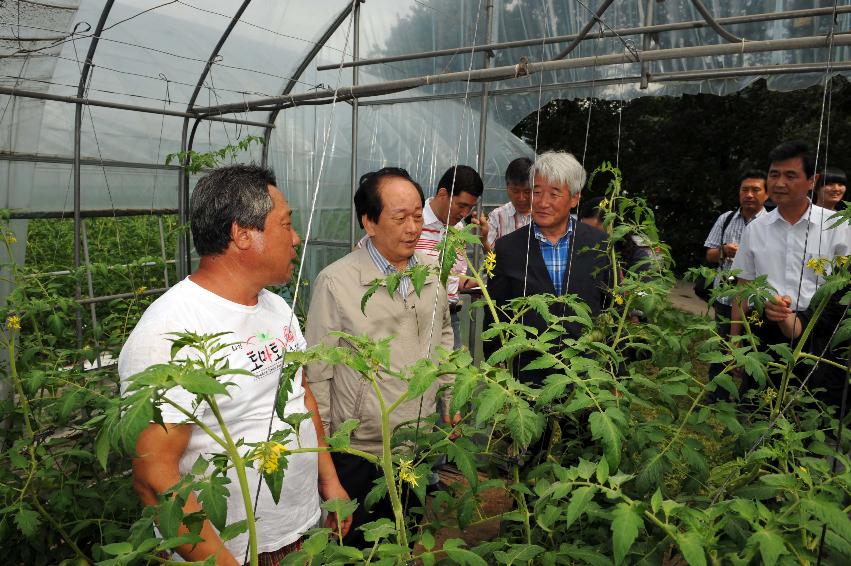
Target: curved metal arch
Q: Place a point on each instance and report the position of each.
(78, 126)
(273, 115)
(187, 140)
(707, 15)
(588, 26)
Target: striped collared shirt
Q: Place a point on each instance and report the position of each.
(556, 256)
(434, 231)
(732, 235)
(387, 268)
(505, 220)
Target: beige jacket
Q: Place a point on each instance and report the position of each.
(341, 393)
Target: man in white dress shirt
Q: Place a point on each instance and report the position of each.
(780, 244)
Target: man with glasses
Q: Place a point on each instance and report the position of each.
(458, 192)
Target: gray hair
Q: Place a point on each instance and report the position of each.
(559, 167)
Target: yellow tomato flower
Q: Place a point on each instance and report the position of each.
(406, 472)
(818, 264)
(141, 290)
(754, 319)
(490, 263)
(10, 238)
(268, 455)
(13, 322)
(841, 260)
(618, 300)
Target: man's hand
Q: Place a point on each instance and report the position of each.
(778, 309)
(484, 228)
(334, 490)
(730, 249)
(452, 421)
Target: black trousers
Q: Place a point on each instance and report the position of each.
(357, 476)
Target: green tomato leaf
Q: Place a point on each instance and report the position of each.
(579, 500)
(625, 524)
(27, 521)
(603, 429)
(213, 496)
(771, 545)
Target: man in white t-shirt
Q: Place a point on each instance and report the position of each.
(458, 191)
(242, 229)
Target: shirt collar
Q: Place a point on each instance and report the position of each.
(381, 262)
(429, 217)
(540, 236)
(755, 216)
(814, 218)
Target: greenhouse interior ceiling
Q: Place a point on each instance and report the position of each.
(96, 95)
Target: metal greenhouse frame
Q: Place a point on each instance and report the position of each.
(357, 94)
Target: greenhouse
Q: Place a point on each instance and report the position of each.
(627, 452)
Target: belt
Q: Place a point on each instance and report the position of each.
(275, 557)
(455, 308)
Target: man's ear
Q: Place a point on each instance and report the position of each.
(816, 177)
(241, 236)
(368, 225)
(574, 200)
(442, 193)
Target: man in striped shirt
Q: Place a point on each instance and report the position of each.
(458, 191)
(517, 212)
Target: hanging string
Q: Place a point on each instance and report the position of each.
(304, 249)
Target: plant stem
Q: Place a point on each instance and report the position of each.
(239, 466)
(521, 500)
(65, 536)
(389, 474)
(796, 355)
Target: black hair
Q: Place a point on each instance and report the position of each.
(792, 149)
(461, 179)
(237, 193)
(832, 175)
(751, 174)
(590, 208)
(368, 198)
(517, 172)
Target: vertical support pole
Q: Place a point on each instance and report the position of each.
(488, 56)
(163, 254)
(182, 208)
(78, 126)
(645, 44)
(353, 221)
(91, 289)
(78, 219)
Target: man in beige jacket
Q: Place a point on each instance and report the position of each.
(389, 206)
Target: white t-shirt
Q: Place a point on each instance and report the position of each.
(773, 247)
(260, 335)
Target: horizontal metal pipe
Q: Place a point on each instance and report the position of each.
(64, 272)
(36, 158)
(684, 76)
(674, 26)
(117, 106)
(107, 298)
(526, 68)
(331, 243)
(103, 213)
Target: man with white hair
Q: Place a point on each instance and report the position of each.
(554, 254)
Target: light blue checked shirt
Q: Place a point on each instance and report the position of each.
(555, 255)
(387, 268)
